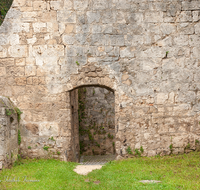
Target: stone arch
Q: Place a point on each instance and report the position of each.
(89, 76)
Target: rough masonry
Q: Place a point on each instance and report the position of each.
(147, 52)
(96, 121)
(8, 133)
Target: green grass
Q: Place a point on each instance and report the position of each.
(175, 172)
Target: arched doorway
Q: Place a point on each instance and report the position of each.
(92, 121)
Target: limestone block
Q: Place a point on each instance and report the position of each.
(194, 40)
(32, 40)
(171, 97)
(168, 64)
(154, 16)
(25, 9)
(39, 27)
(13, 14)
(29, 16)
(155, 52)
(14, 39)
(161, 98)
(151, 153)
(39, 5)
(61, 28)
(127, 52)
(20, 81)
(108, 17)
(48, 129)
(19, 3)
(196, 16)
(191, 5)
(96, 29)
(149, 64)
(52, 27)
(66, 16)
(100, 4)
(68, 4)
(68, 39)
(181, 40)
(30, 61)
(20, 27)
(17, 51)
(137, 40)
(15, 71)
(165, 42)
(122, 4)
(179, 141)
(7, 62)
(135, 18)
(197, 28)
(46, 51)
(93, 17)
(195, 53)
(2, 71)
(49, 16)
(117, 40)
(185, 16)
(30, 70)
(3, 39)
(168, 28)
(186, 28)
(2, 111)
(56, 5)
(80, 5)
(81, 38)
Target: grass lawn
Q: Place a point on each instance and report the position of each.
(175, 172)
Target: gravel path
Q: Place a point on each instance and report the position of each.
(85, 169)
(90, 163)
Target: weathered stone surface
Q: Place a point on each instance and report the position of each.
(97, 126)
(8, 133)
(147, 52)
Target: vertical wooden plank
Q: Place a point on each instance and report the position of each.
(75, 148)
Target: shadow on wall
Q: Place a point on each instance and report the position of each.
(96, 121)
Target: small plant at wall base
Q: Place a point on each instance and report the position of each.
(110, 136)
(19, 137)
(187, 147)
(171, 148)
(167, 53)
(46, 148)
(128, 150)
(52, 139)
(8, 112)
(97, 144)
(29, 147)
(137, 152)
(141, 149)
(18, 114)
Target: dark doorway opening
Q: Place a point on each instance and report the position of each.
(93, 121)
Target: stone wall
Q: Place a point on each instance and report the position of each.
(147, 52)
(8, 133)
(96, 121)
